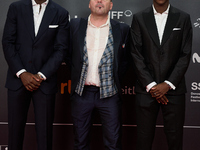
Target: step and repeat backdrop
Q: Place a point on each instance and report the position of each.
(63, 127)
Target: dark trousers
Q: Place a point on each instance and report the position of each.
(110, 113)
(18, 105)
(147, 109)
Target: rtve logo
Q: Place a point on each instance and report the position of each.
(196, 58)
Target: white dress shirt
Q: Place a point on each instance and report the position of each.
(38, 12)
(161, 20)
(96, 40)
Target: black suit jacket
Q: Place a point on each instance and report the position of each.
(44, 52)
(166, 61)
(78, 29)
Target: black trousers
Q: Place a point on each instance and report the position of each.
(18, 105)
(147, 109)
(110, 113)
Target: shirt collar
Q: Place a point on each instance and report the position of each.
(107, 22)
(34, 3)
(165, 12)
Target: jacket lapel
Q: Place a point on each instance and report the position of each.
(48, 16)
(116, 40)
(150, 23)
(115, 33)
(82, 35)
(170, 24)
(112, 45)
(108, 49)
(27, 13)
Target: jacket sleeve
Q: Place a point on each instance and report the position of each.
(61, 46)
(10, 48)
(138, 61)
(185, 55)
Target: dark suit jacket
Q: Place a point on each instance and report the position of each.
(77, 36)
(166, 61)
(42, 53)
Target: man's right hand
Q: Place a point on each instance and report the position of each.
(163, 100)
(30, 81)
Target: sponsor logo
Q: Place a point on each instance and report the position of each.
(195, 94)
(119, 14)
(195, 86)
(128, 90)
(197, 23)
(114, 14)
(196, 58)
(65, 86)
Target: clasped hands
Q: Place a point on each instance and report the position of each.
(158, 91)
(31, 81)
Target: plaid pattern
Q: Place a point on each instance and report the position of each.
(108, 87)
(81, 83)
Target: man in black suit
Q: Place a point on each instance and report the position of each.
(98, 54)
(160, 48)
(34, 42)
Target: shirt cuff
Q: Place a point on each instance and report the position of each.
(20, 72)
(42, 75)
(170, 84)
(149, 86)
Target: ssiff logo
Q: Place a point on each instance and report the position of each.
(195, 94)
(116, 14)
(119, 14)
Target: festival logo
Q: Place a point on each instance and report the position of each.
(195, 94)
(114, 14)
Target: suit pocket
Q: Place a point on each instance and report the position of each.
(51, 32)
(53, 26)
(176, 34)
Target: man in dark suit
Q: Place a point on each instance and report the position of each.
(98, 60)
(160, 48)
(34, 43)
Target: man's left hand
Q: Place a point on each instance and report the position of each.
(159, 90)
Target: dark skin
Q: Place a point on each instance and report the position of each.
(159, 90)
(161, 5)
(40, 1)
(32, 81)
